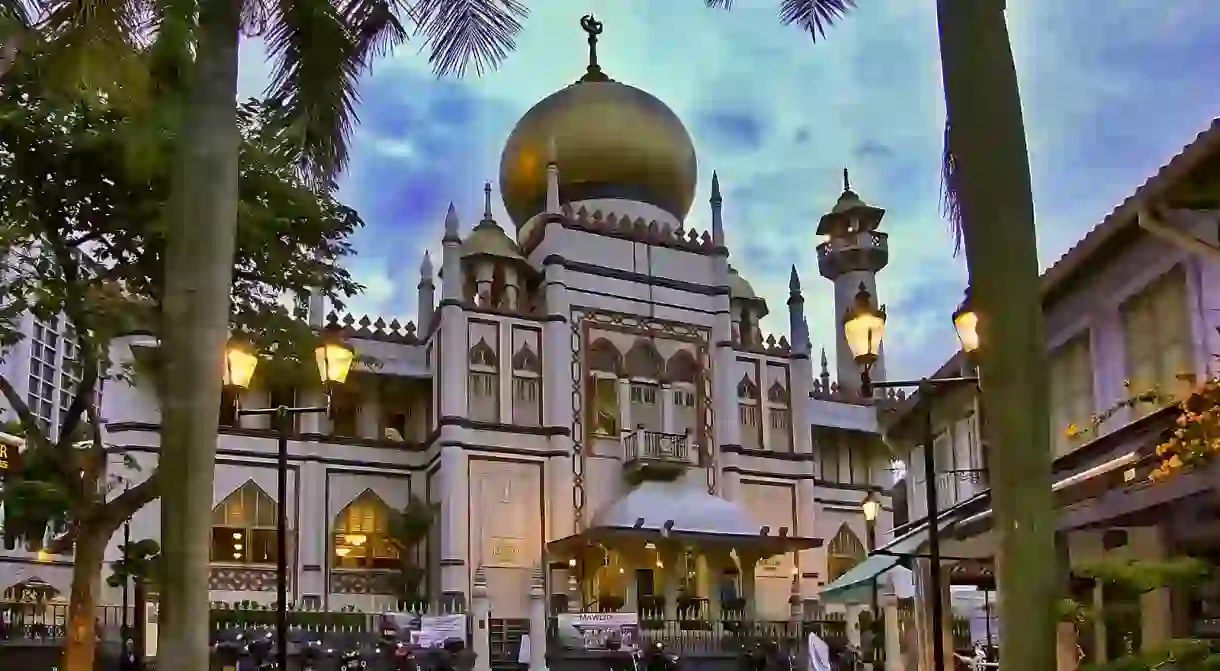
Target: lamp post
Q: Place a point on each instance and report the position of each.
(872, 509)
(334, 359)
(863, 327)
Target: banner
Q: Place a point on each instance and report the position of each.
(434, 630)
(589, 631)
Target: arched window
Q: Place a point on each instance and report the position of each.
(843, 552)
(361, 538)
(243, 527)
(605, 365)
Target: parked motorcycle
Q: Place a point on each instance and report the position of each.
(656, 658)
(229, 650)
(261, 649)
(352, 660)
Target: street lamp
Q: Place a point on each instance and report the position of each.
(334, 359)
(863, 326)
(966, 323)
(871, 506)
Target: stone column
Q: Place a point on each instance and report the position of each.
(748, 593)
(672, 573)
(624, 405)
(853, 624)
(893, 633)
(370, 410)
(923, 613)
(480, 611)
(667, 408)
(537, 613)
(484, 273)
(557, 408)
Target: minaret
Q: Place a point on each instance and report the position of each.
(717, 217)
(853, 252)
(450, 373)
(427, 296)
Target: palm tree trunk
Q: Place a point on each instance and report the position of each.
(200, 229)
(81, 644)
(994, 193)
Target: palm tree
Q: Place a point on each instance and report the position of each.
(321, 49)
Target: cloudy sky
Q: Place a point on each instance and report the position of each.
(1111, 91)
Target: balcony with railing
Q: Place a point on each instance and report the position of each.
(654, 455)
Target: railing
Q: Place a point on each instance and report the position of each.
(722, 636)
(644, 445)
(33, 621)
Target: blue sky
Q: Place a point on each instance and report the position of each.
(1111, 91)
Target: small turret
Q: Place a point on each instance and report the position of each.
(427, 294)
(717, 216)
(451, 258)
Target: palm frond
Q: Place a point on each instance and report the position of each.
(813, 16)
(950, 187)
(719, 4)
(375, 27)
(464, 33)
(314, 82)
(98, 45)
(171, 25)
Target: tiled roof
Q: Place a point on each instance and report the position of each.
(1205, 144)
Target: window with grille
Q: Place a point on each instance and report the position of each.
(41, 397)
(244, 527)
(361, 538)
(645, 408)
(1156, 334)
(1071, 391)
(527, 399)
(603, 406)
(484, 395)
(685, 409)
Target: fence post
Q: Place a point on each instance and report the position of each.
(537, 631)
(480, 610)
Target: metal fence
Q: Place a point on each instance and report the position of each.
(708, 637)
(34, 621)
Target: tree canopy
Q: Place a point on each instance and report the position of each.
(83, 189)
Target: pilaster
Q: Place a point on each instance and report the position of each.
(724, 394)
(313, 536)
(557, 390)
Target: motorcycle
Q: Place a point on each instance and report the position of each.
(262, 652)
(314, 654)
(229, 651)
(352, 660)
(657, 658)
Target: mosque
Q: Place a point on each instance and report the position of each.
(589, 396)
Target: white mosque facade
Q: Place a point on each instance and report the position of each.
(586, 393)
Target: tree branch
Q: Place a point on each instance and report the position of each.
(74, 309)
(112, 514)
(34, 437)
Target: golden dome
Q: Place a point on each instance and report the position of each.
(609, 140)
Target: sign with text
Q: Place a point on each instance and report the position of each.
(589, 631)
(10, 460)
(434, 630)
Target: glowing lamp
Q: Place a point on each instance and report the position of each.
(240, 362)
(871, 507)
(966, 322)
(863, 327)
(334, 361)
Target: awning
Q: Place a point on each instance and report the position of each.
(856, 585)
